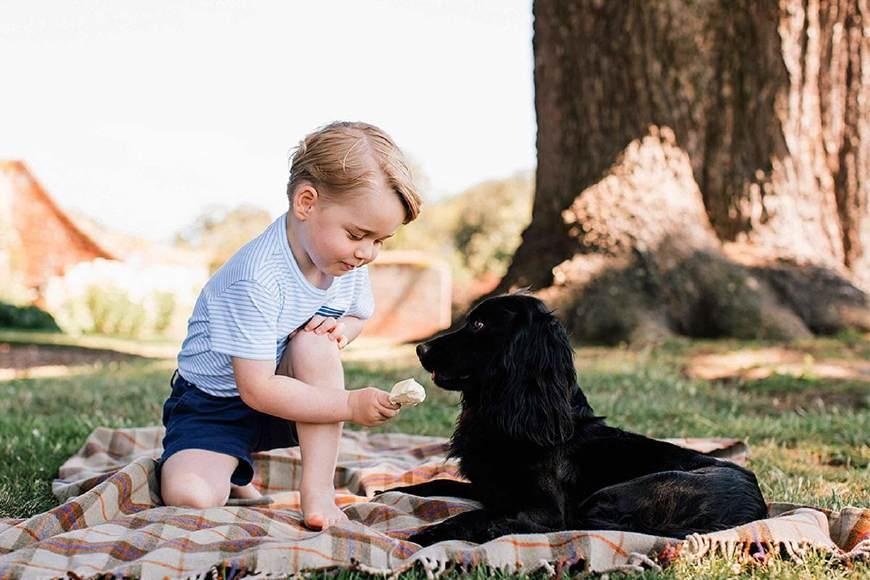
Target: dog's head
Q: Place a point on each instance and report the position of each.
(514, 365)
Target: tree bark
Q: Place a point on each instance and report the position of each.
(764, 103)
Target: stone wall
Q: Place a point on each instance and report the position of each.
(412, 296)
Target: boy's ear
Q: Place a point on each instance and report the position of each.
(304, 199)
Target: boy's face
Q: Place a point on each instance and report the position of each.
(342, 234)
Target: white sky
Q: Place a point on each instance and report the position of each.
(141, 113)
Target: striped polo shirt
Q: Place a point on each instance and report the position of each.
(251, 305)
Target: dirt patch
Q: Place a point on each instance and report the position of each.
(818, 400)
(17, 357)
(756, 364)
(816, 384)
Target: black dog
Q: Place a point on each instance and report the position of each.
(537, 457)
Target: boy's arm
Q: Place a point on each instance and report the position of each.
(281, 396)
(263, 390)
(352, 327)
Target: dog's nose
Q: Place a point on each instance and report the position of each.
(422, 349)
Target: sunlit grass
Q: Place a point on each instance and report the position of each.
(803, 452)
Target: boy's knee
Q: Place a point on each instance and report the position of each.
(315, 358)
(193, 491)
(306, 344)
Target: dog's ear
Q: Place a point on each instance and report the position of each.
(537, 383)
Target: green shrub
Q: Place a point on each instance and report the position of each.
(26, 318)
(477, 231)
(124, 299)
(114, 313)
(165, 307)
(490, 221)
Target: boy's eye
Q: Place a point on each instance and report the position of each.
(354, 237)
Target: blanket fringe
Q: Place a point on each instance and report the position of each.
(548, 567)
(637, 563)
(643, 561)
(435, 568)
(374, 571)
(697, 546)
(861, 551)
(795, 549)
(432, 567)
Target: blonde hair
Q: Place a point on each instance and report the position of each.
(338, 158)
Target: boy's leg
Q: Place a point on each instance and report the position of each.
(196, 478)
(314, 359)
(245, 491)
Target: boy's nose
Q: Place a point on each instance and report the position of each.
(366, 253)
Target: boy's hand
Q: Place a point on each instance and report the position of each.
(332, 328)
(370, 406)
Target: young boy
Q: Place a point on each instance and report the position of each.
(292, 297)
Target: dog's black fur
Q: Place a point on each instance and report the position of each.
(538, 458)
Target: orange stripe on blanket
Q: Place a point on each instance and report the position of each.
(132, 439)
(304, 550)
(410, 477)
(291, 500)
(517, 543)
(103, 507)
(860, 531)
(380, 480)
(618, 548)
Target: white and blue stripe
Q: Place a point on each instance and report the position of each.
(327, 311)
(250, 306)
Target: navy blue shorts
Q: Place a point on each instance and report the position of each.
(196, 420)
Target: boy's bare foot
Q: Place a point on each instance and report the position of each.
(319, 510)
(245, 491)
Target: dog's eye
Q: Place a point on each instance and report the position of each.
(476, 325)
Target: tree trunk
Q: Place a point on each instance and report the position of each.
(704, 161)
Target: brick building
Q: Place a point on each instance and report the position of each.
(37, 238)
(40, 241)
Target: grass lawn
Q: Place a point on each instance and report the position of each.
(809, 436)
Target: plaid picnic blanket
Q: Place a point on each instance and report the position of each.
(113, 523)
